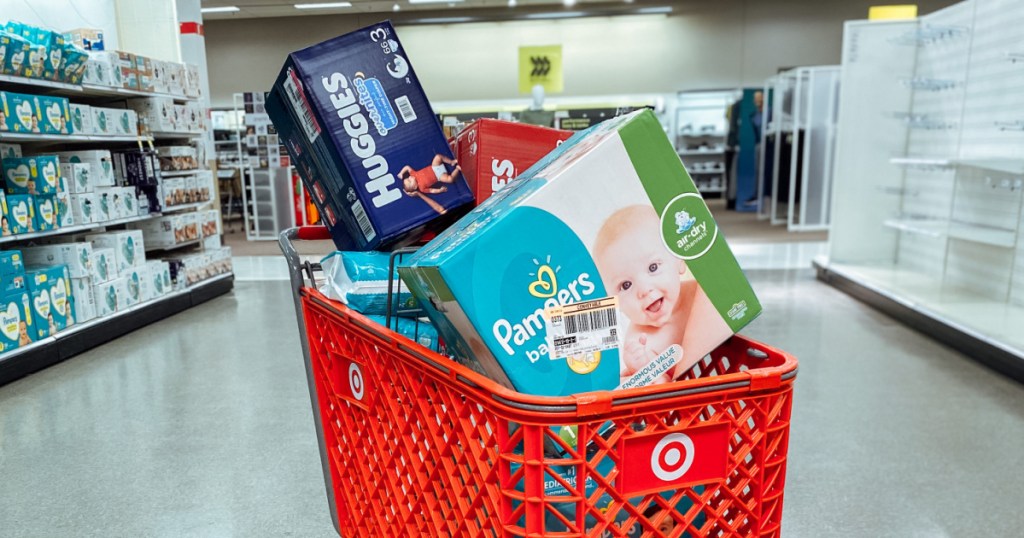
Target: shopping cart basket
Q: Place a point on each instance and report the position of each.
(414, 444)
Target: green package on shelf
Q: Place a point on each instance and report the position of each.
(13, 54)
(15, 321)
(20, 113)
(49, 290)
(21, 214)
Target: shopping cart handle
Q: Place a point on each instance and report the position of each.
(313, 233)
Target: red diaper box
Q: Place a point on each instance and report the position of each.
(494, 152)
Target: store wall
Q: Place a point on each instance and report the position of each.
(65, 15)
(725, 43)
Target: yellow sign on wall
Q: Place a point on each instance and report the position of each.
(889, 13)
(540, 65)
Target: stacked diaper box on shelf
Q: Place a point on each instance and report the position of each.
(35, 114)
(85, 173)
(365, 141)
(31, 186)
(187, 270)
(16, 326)
(51, 268)
(35, 52)
(125, 270)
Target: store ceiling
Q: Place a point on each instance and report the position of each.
(251, 9)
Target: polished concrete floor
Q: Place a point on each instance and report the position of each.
(200, 426)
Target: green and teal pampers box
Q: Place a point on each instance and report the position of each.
(20, 112)
(600, 268)
(12, 271)
(49, 289)
(21, 214)
(13, 54)
(15, 321)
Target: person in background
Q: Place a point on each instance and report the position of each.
(732, 148)
(756, 121)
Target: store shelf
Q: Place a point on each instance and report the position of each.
(996, 237)
(706, 172)
(91, 89)
(72, 91)
(179, 246)
(921, 162)
(946, 314)
(32, 137)
(697, 152)
(75, 229)
(186, 207)
(178, 173)
(174, 134)
(1006, 166)
(930, 228)
(710, 191)
(90, 334)
(699, 134)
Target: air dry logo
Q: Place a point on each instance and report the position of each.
(672, 457)
(684, 222)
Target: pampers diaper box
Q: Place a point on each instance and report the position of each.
(365, 140)
(49, 289)
(21, 213)
(494, 152)
(15, 320)
(599, 268)
(32, 175)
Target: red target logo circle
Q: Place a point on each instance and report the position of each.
(672, 457)
(355, 381)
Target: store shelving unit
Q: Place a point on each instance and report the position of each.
(702, 129)
(90, 334)
(929, 186)
(84, 336)
(266, 190)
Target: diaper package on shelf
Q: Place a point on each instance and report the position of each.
(46, 212)
(107, 296)
(76, 177)
(21, 213)
(494, 152)
(15, 59)
(103, 264)
(365, 141)
(83, 299)
(54, 115)
(360, 280)
(12, 271)
(10, 150)
(65, 215)
(20, 113)
(101, 168)
(16, 326)
(48, 289)
(6, 229)
(129, 251)
(32, 175)
(600, 268)
(81, 119)
(84, 207)
(77, 257)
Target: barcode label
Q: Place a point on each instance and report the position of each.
(405, 109)
(300, 105)
(585, 322)
(364, 221)
(577, 331)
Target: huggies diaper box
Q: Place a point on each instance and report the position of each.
(599, 268)
(494, 152)
(365, 140)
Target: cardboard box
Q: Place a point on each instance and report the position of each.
(156, 270)
(5, 230)
(129, 202)
(21, 213)
(12, 271)
(352, 150)
(163, 232)
(104, 265)
(76, 177)
(65, 215)
(54, 43)
(193, 86)
(205, 185)
(209, 222)
(129, 250)
(144, 68)
(83, 299)
(10, 150)
(126, 121)
(21, 113)
(81, 119)
(157, 113)
(191, 189)
(84, 207)
(48, 289)
(74, 64)
(85, 38)
(77, 257)
(36, 60)
(104, 209)
(608, 233)
(32, 175)
(108, 296)
(494, 152)
(46, 212)
(103, 121)
(129, 73)
(15, 60)
(100, 71)
(175, 158)
(15, 321)
(55, 115)
(132, 282)
(101, 167)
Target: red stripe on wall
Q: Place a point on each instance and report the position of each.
(191, 28)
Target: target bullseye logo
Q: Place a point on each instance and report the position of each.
(672, 457)
(355, 381)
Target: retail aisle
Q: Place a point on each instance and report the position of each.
(201, 426)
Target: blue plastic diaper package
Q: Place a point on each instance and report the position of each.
(599, 268)
(421, 332)
(365, 141)
(360, 280)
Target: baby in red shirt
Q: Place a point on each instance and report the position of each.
(420, 183)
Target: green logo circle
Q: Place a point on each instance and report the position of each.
(687, 227)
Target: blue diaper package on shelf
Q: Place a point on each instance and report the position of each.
(360, 280)
(366, 142)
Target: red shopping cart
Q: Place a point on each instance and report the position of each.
(414, 444)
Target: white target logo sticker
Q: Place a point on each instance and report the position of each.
(672, 457)
(355, 381)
